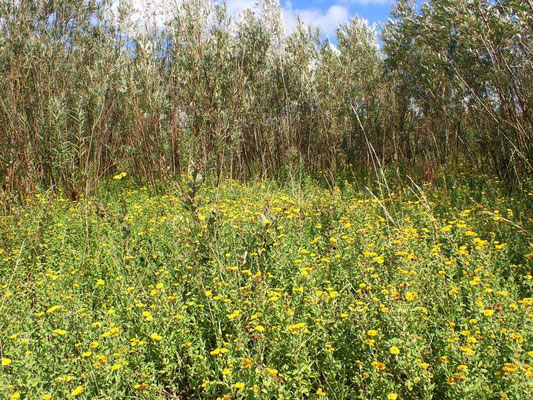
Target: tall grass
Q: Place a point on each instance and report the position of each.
(87, 89)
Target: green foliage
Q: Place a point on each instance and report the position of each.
(462, 74)
(88, 88)
(263, 292)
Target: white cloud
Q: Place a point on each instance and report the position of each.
(145, 13)
(156, 12)
(365, 2)
(328, 21)
(236, 7)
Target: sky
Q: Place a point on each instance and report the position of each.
(326, 14)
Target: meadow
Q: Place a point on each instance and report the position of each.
(269, 291)
(198, 202)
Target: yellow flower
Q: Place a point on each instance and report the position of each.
(60, 332)
(238, 386)
(320, 392)
(6, 362)
(52, 309)
(488, 312)
(77, 391)
(156, 337)
(216, 352)
(47, 397)
(462, 367)
(509, 367)
(394, 350)
(15, 396)
(116, 366)
(379, 365)
(147, 316)
(297, 327)
(471, 340)
(372, 332)
(379, 259)
(392, 396)
(234, 314)
(410, 296)
(119, 176)
(424, 365)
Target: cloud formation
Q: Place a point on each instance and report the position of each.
(366, 2)
(236, 7)
(328, 20)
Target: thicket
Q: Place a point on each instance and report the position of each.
(88, 89)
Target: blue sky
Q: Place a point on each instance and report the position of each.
(326, 14)
(372, 10)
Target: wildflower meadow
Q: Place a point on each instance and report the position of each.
(266, 199)
(259, 291)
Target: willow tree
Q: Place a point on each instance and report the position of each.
(463, 74)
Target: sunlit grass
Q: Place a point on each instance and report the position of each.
(261, 292)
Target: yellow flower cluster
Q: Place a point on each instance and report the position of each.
(256, 292)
